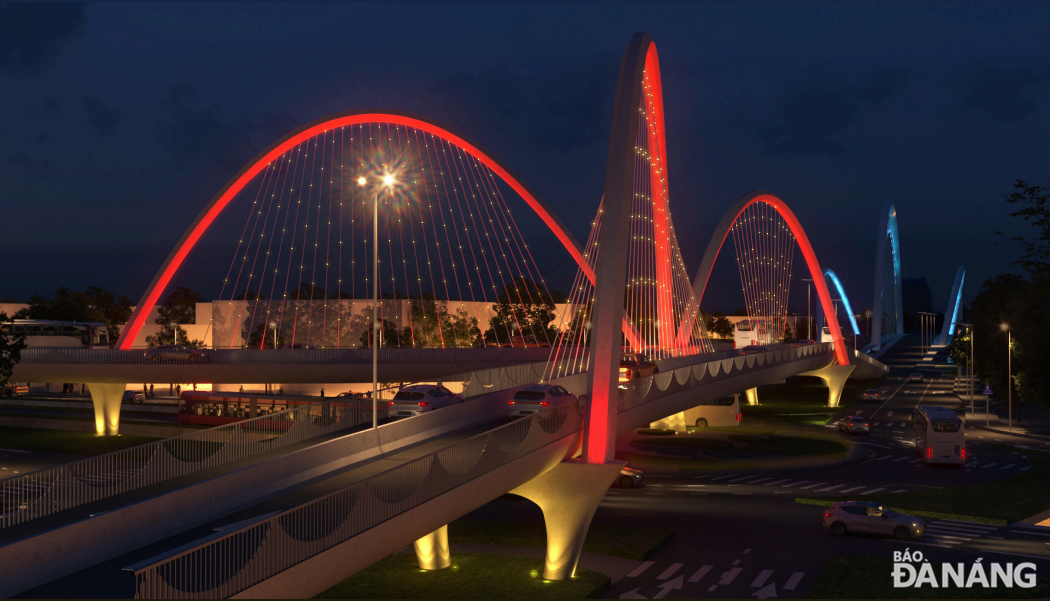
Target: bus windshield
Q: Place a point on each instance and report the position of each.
(946, 425)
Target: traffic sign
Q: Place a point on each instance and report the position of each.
(987, 390)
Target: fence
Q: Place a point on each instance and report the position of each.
(227, 564)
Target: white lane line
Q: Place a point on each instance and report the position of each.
(695, 485)
(762, 577)
(868, 492)
(638, 571)
(742, 478)
(746, 551)
(989, 465)
(670, 571)
(971, 464)
(724, 477)
(1006, 467)
(736, 562)
(897, 491)
(884, 457)
(875, 424)
(850, 489)
(700, 574)
(900, 459)
(1024, 468)
(916, 460)
(813, 485)
(793, 581)
(796, 483)
(759, 480)
(776, 482)
(890, 398)
(727, 577)
(831, 487)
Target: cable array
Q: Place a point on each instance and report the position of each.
(765, 249)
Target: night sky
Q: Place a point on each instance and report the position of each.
(121, 121)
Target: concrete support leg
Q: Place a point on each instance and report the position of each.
(432, 550)
(568, 495)
(106, 399)
(752, 396)
(834, 377)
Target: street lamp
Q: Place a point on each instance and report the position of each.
(809, 316)
(387, 180)
(867, 315)
(273, 326)
(1009, 377)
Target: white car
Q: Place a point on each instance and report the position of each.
(538, 397)
(421, 398)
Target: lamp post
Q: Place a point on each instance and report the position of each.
(969, 325)
(809, 316)
(867, 316)
(1009, 377)
(273, 326)
(388, 182)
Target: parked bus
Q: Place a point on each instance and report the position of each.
(714, 413)
(939, 435)
(220, 408)
(742, 334)
(44, 333)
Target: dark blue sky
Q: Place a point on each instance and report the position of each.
(123, 120)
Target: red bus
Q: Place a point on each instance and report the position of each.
(221, 408)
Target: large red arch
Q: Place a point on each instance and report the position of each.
(239, 181)
(719, 238)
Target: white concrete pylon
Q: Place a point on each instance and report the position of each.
(432, 550)
(752, 396)
(106, 397)
(834, 377)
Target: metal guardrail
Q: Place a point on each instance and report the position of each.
(225, 565)
(46, 356)
(49, 491)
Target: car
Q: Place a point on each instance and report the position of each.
(421, 398)
(298, 346)
(854, 424)
(538, 397)
(629, 478)
(915, 377)
(805, 341)
(872, 394)
(753, 349)
(133, 396)
(176, 352)
(636, 365)
(872, 518)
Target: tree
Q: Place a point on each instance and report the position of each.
(721, 326)
(11, 347)
(524, 309)
(789, 336)
(262, 336)
(172, 334)
(115, 311)
(66, 305)
(179, 307)
(391, 336)
(249, 294)
(959, 347)
(307, 292)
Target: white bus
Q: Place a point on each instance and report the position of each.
(44, 333)
(715, 413)
(742, 334)
(939, 435)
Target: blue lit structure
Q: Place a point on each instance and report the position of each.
(834, 279)
(887, 320)
(951, 314)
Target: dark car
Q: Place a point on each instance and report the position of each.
(175, 352)
(636, 365)
(753, 349)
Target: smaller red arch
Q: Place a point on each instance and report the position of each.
(719, 238)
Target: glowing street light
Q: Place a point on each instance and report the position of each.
(273, 326)
(1009, 377)
(388, 181)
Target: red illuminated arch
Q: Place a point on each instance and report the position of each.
(239, 181)
(719, 237)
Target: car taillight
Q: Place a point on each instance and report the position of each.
(544, 403)
(962, 453)
(391, 403)
(512, 402)
(929, 452)
(827, 514)
(865, 423)
(739, 416)
(422, 404)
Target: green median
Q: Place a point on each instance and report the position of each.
(632, 543)
(67, 441)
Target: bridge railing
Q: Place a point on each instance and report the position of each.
(225, 565)
(38, 356)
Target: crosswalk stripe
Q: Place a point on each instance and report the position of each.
(1024, 468)
(742, 478)
(724, 477)
(762, 577)
(875, 424)
(700, 574)
(884, 457)
(793, 581)
(776, 482)
(850, 489)
(796, 483)
(978, 525)
(971, 464)
(832, 487)
(990, 465)
(900, 459)
(1033, 532)
(759, 480)
(868, 492)
(728, 577)
(813, 485)
(669, 571)
(641, 568)
(1006, 467)
(897, 491)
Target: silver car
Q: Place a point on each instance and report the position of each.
(421, 398)
(629, 478)
(538, 397)
(872, 394)
(854, 424)
(871, 518)
(175, 352)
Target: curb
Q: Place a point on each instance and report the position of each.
(1042, 437)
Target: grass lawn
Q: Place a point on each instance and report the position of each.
(863, 577)
(472, 576)
(632, 543)
(65, 441)
(1003, 502)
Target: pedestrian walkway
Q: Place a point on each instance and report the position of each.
(952, 533)
(656, 579)
(796, 485)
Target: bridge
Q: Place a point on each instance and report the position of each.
(448, 233)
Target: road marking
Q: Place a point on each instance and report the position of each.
(612, 492)
(776, 482)
(795, 483)
(990, 465)
(656, 485)
(873, 425)
(1029, 532)
(736, 562)
(868, 492)
(872, 444)
(700, 574)
(880, 458)
(724, 477)
(741, 493)
(900, 459)
(742, 478)
(1006, 467)
(793, 581)
(638, 571)
(832, 487)
(669, 571)
(746, 551)
(813, 485)
(727, 577)
(713, 587)
(971, 464)
(850, 489)
(916, 460)
(654, 493)
(762, 577)
(897, 491)
(1024, 468)
(759, 480)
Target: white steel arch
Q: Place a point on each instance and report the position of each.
(887, 231)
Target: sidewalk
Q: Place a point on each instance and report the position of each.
(1035, 427)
